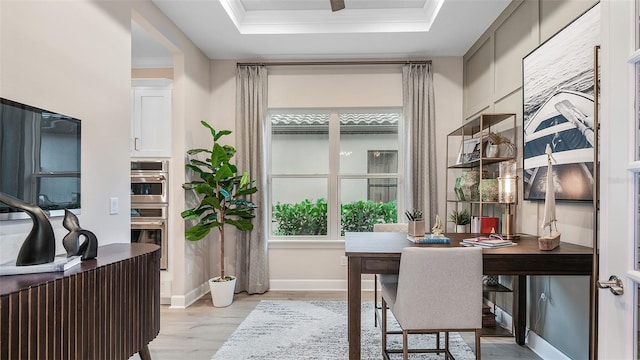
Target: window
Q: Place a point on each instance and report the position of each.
(332, 171)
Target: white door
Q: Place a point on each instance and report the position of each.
(620, 179)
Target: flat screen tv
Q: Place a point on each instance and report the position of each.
(39, 159)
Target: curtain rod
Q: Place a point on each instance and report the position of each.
(317, 63)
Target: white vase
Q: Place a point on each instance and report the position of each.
(222, 291)
(462, 229)
(492, 151)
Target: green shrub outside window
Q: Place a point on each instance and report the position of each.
(309, 218)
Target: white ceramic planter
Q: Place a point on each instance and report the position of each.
(460, 229)
(492, 151)
(222, 291)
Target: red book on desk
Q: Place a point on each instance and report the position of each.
(485, 225)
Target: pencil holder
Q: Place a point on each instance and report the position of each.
(416, 228)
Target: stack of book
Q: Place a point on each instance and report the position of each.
(490, 242)
(59, 263)
(429, 239)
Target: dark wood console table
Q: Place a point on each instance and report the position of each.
(379, 253)
(105, 308)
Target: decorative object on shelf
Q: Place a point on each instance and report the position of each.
(469, 185)
(499, 146)
(550, 238)
(489, 189)
(436, 230)
(469, 151)
(461, 219)
(223, 201)
(507, 194)
(40, 245)
(458, 188)
(416, 226)
(558, 109)
(492, 151)
(490, 280)
(484, 224)
(88, 249)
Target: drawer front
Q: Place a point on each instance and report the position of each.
(380, 266)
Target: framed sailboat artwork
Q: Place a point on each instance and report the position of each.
(558, 110)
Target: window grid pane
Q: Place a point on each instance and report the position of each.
(299, 206)
(300, 143)
(361, 132)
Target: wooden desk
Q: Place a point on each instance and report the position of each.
(104, 308)
(379, 253)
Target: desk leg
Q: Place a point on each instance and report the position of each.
(520, 308)
(354, 306)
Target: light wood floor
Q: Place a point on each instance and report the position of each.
(197, 332)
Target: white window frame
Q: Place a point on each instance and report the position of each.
(334, 176)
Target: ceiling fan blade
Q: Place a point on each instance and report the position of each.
(337, 5)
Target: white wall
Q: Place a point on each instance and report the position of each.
(74, 57)
(47, 62)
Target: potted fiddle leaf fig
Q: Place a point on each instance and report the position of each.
(223, 201)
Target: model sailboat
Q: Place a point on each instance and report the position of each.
(550, 238)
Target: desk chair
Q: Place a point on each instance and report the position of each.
(393, 227)
(438, 289)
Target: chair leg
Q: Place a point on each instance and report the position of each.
(478, 345)
(405, 344)
(375, 300)
(384, 326)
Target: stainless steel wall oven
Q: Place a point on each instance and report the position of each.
(149, 182)
(149, 204)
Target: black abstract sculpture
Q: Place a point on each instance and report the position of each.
(71, 242)
(40, 245)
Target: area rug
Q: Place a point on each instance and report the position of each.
(317, 330)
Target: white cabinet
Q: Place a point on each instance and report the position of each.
(151, 118)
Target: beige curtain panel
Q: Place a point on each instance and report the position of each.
(252, 268)
(419, 118)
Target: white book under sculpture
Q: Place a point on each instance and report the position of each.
(59, 263)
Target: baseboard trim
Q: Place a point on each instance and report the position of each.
(533, 341)
(542, 348)
(184, 301)
(315, 285)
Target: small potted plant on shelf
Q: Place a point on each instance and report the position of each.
(461, 219)
(495, 142)
(223, 201)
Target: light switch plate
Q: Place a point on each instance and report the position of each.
(115, 206)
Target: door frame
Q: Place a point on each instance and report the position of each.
(615, 337)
